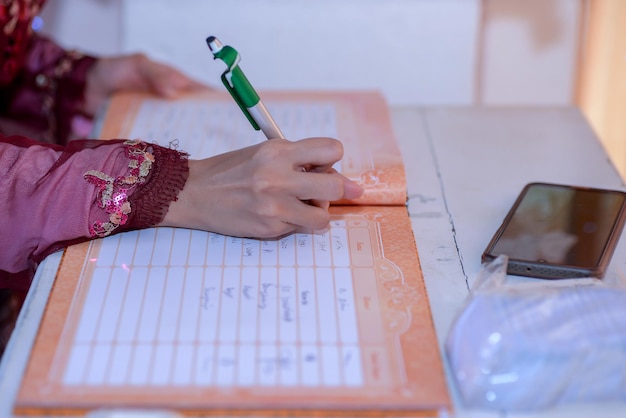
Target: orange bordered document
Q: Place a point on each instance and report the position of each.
(332, 322)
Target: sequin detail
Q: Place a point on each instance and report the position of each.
(113, 192)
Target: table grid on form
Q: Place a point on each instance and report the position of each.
(201, 309)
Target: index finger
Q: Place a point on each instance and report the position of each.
(317, 154)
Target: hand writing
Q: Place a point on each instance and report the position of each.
(261, 191)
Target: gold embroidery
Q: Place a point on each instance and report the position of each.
(113, 192)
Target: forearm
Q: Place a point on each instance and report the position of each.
(59, 196)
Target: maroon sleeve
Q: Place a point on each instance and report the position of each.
(46, 94)
(55, 196)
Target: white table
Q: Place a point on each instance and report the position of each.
(465, 166)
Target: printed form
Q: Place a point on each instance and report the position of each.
(198, 321)
(189, 308)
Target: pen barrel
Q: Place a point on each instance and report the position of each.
(265, 121)
(248, 96)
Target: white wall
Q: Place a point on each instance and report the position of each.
(424, 52)
(93, 26)
(529, 51)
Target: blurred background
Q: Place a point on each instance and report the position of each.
(417, 52)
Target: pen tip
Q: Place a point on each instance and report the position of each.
(214, 44)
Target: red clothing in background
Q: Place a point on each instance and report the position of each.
(54, 193)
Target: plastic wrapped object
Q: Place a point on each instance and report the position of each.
(527, 346)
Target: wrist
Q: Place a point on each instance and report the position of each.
(109, 75)
(181, 213)
(168, 178)
(96, 92)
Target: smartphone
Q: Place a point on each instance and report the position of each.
(556, 231)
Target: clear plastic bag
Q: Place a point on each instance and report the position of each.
(526, 347)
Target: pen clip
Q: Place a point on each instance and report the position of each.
(231, 58)
(238, 100)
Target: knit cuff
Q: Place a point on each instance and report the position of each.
(151, 202)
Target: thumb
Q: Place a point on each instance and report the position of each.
(351, 190)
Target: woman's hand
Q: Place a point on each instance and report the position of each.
(262, 191)
(133, 72)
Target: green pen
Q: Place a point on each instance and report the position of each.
(242, 91)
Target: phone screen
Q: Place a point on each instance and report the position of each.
(561, 225)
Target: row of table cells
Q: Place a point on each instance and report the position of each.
(183, 247)
(214, 365)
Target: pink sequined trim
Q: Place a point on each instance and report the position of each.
(113, 192)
